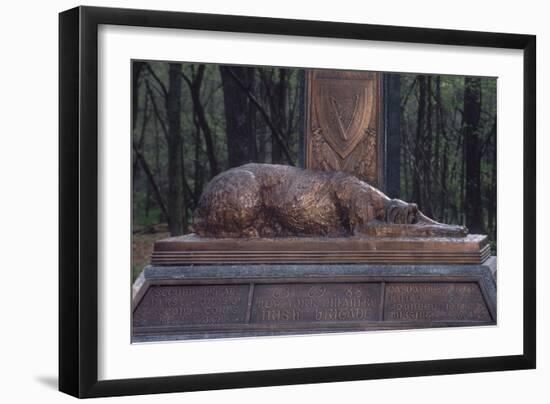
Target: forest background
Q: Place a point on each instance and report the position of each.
(192, 121)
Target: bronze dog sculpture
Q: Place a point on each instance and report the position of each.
(264, 200)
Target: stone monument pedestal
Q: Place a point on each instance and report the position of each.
(172, 302)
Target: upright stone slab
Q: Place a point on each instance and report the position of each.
(343, 125)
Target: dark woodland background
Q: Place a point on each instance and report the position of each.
(193, 121)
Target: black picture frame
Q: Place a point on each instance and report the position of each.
(78, 201)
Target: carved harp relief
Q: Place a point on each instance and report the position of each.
(343, 123)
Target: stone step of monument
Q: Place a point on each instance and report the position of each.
(191, 249)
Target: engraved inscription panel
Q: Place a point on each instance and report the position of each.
(181, 305)
(435, 301)
(326, 302)
(280, 306)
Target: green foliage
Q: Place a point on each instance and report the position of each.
(436, 158)
(136, 270)
(151, 122)
(442, 186)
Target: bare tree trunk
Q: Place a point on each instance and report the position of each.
(419, 142)
(173, 110)
(199, 174)
(443, 200)
(251, 116)
(195, 84)
(151, 178)
(406, 191)
(456, 179)
(241, 142)
(472, 149)
(427, 154)
(277, 108)
(261, 146)
(493, 205)
(141, 139)
(147, 199)
(137, 67)
(265, 116)
(463, 183)
(299, 116)
(406, 169)
(157, 148)
(438, 168)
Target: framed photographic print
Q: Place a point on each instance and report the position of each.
(251, 201)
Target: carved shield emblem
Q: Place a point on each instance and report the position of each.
(343, 110)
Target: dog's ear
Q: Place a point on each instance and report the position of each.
(412, 214)
(395, 210)
(392, 213)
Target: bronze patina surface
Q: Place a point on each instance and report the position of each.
(343, 130)
(265, 200)
(193, 249)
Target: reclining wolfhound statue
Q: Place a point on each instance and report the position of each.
(265, 200)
